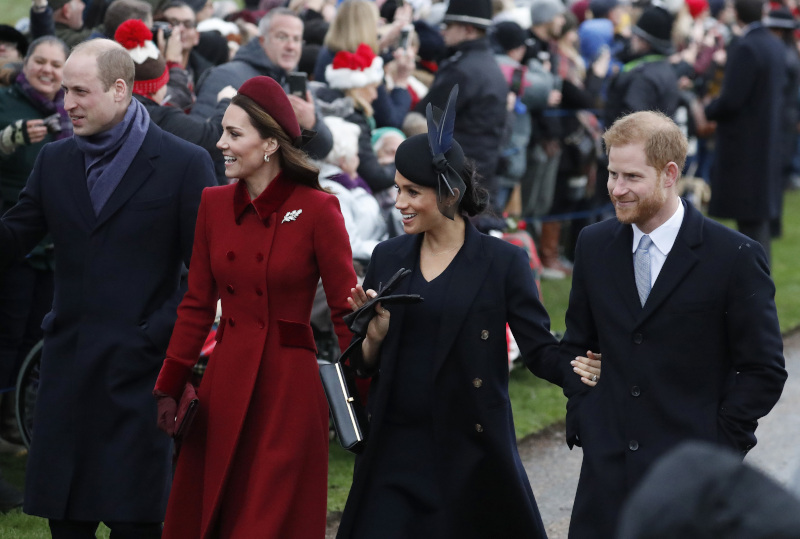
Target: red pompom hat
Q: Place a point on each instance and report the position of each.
(350, 70)
(151, 68)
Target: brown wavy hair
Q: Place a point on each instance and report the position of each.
(294, 161)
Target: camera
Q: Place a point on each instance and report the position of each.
(161, 25)
(53, 123)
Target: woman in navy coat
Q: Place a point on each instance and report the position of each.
(441, 460)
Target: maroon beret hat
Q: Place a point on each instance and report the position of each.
(269, 95)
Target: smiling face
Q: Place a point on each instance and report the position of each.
(417, 205)
(283, 43)
(242, 145)
(639, 192)
(44, 69)
(91, 107)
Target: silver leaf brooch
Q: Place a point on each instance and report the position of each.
(291, 216)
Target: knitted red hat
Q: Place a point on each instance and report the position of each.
(696, 7)
(350, 70)
(151, 68)
(269, 95)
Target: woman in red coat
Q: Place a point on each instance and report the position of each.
(255, 461)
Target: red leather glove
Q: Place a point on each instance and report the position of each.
(167, 409)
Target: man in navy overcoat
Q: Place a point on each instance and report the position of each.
(120, 200)
(682, 309)
(746, 179)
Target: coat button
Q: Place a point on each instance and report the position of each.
(478, 427)
(231, 255)
(635, 391)
(229, 288)
(633, 445)
(259, 292)
(485, 334)
(477, 382)
(231, 322)
(259, 257)
(260, 324)
(638, 338)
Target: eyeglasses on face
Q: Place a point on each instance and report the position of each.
(188, 23)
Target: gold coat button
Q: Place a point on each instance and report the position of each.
(478, 427)
(477, 382)
(485, 334)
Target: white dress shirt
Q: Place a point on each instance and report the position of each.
(663, 239)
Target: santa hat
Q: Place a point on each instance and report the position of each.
(357, 70)
(151, 68)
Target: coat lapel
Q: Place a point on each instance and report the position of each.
(139, 171)
(77, 186)
(465, 282)
(620, 255)
(679, 262)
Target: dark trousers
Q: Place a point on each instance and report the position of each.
(759, 231)
(74, 529)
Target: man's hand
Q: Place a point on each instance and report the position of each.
(39, 5)
(173, 48)
(304, 110)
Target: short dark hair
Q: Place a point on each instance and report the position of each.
(52, 40)
(749, 10)
(120, 11)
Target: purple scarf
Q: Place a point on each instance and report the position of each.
(350, 183)
(46, 106)
(108, 155)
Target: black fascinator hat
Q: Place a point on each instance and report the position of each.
(435, 159)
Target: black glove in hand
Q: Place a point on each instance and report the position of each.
(358, 320)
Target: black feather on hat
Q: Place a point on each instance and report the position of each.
(435, 159)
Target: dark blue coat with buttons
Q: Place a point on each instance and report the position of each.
(703, 359)
(96, 452)
(484, 489)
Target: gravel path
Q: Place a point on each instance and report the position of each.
(553, 469)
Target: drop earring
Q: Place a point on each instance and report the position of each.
(266, 158)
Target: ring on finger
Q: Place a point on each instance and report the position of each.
(594, 378)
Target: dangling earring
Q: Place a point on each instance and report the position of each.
(266, 158)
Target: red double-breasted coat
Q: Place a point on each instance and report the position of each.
(255, 461)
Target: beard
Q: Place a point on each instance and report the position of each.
(645, 208)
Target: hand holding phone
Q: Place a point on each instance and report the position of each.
(297, 84)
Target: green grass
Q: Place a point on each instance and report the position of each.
(536, 404)
(12, 11)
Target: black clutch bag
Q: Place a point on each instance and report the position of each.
(347, 412)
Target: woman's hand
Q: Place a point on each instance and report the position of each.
(588, 368)
(36, 130)
(379, 325)
(167, 410)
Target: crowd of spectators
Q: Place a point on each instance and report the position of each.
(531, 116)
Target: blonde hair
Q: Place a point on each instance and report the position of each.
(662, 138)
(356, 22)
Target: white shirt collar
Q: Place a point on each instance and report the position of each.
(665, 235)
